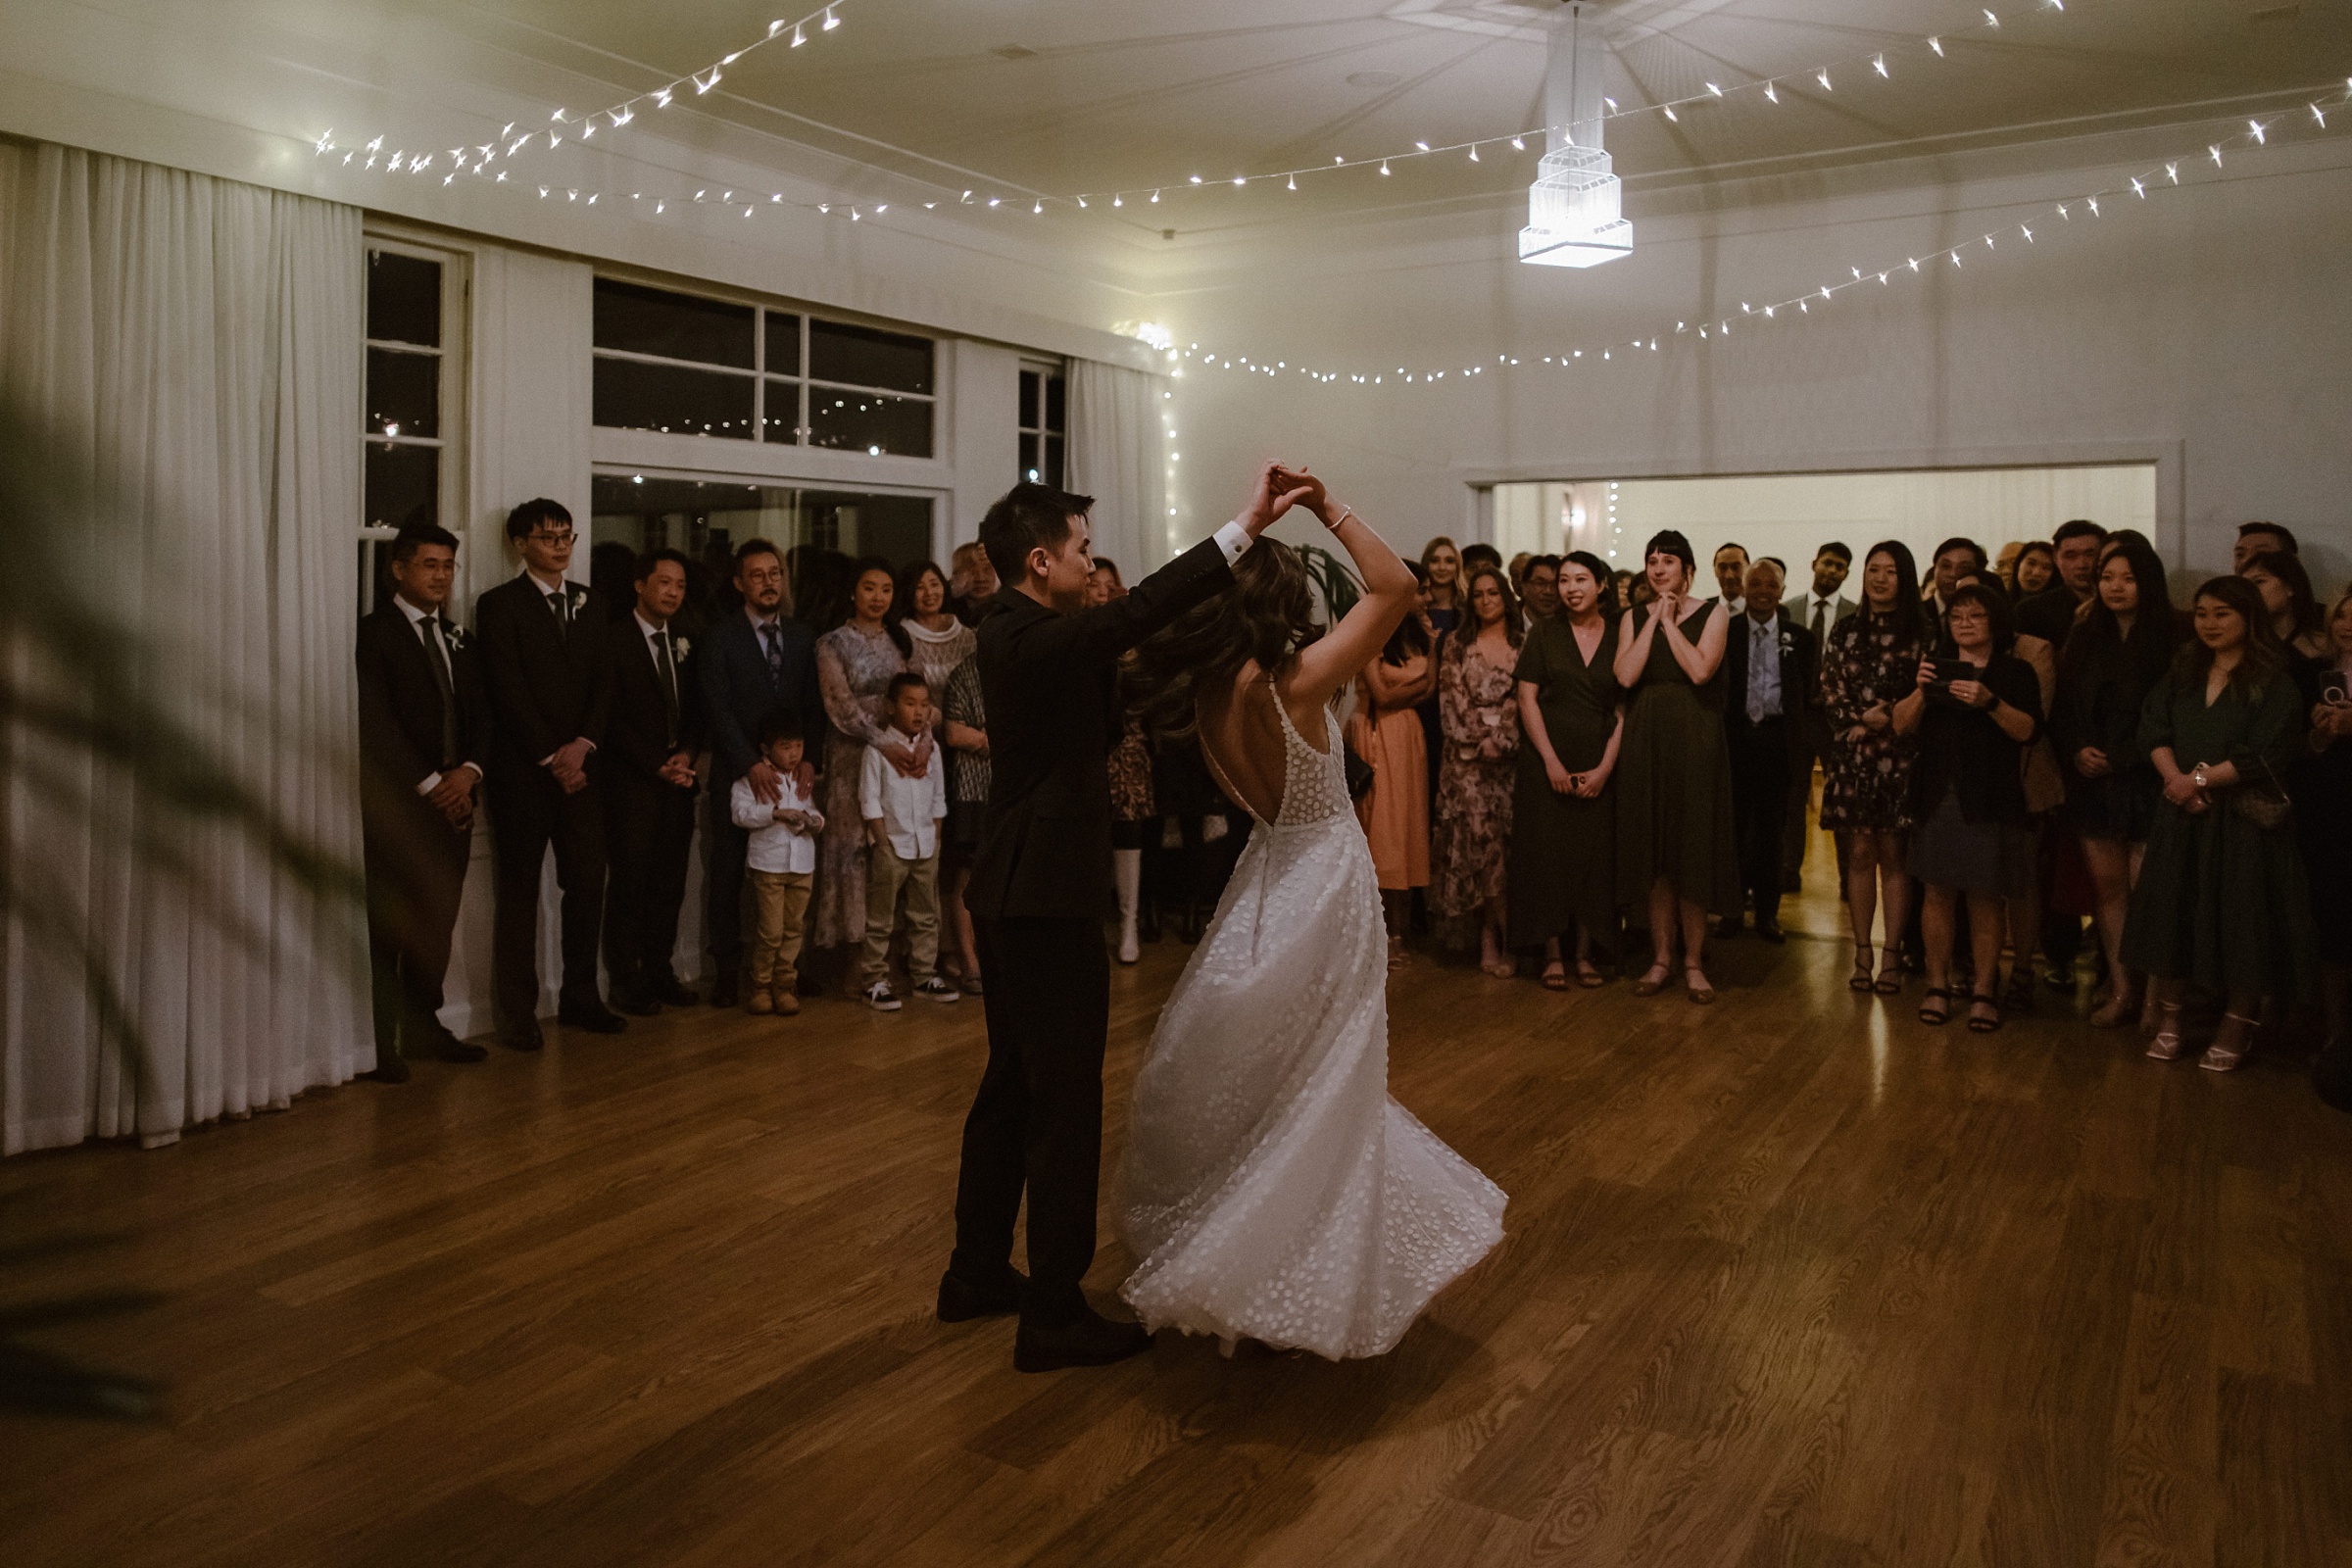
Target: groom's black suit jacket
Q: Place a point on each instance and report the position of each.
(1048, 683)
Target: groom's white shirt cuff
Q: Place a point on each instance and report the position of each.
(1233, 539)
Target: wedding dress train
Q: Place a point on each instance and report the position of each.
(1272, 1189)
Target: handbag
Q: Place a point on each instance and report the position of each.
(1359, 772)
(2265, 806)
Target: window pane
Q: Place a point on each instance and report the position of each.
(865, 356)
(1029, 383)
(1053, 459)
(868, 421)
(783, 344)
(404, 393)
(1029, 468)
(403, 485)
(403, 299)
(1057, 415)
(634, 395)
(783, 412)
(676, 326)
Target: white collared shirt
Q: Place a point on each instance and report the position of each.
(417, 618)
(909, 809)
(773, 846)
(1827, 607)
(655, 636)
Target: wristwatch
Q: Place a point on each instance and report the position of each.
(2196, 776)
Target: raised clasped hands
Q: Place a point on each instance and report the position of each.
(1279, 489)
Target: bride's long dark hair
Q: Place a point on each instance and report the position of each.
(1267, 616)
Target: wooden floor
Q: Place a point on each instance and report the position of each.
(1793, 1280)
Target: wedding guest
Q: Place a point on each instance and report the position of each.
(1825, 604)
(1622, 594)
(1477, 555)
(1954, 559)
(780, 855)
(2322, 787)
(2222, 901)
(1973, 715)
(2034, 571)
(1675, 850)
(1103, 583)
(1873, 664)
(2295, 610)
(2004, 566)
(653, 732)
(1443, 607)
(971, 582)
(2074, 553)
(1770, 668)
(2068, 884)
(1134, 817)
(1562, 870)
(2114, 658)
(424, 720)
(854, 664)
(1543, 591)
(1475, 689)
(757, 663)
(966, 734)
(1386, 731)
(1818, 610)
(2261, 539)
(902, 810)
(1517, 573)
(2044, 788)
(1731, 576)
(937, 640)
(544, 653)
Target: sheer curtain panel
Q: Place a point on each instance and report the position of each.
(1120, 455)
(187, 351)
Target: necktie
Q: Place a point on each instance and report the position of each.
(670, 685)
(774, 641)
(1821, 613)
(561, 602)
(1756, 650)
(430, 628)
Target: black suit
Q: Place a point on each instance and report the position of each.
(1040, 883)
(741, 691)
(1811, 743)
(415, 861)
(549, 686)
(652, 716)
(1761, 770)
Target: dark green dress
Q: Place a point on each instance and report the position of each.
(2220, 900)
(1674, 785)
(1563, 858)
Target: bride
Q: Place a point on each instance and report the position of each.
(1273, 1190)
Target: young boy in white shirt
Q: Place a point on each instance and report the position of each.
(782, 862)
(901, 816)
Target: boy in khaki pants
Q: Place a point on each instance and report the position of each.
(782, 861)
(901, 816)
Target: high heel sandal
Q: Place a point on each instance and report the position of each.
(1555, 976)
(1589, 975)
(1936, 1007)
(1703, 994)
(2165, 1046)
(1860, 981)
(2115, 1011)
(2219, 1058)
(1980, 1025)
(1653, 980)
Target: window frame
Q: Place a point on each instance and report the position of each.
(457, 289)
(1048, 372)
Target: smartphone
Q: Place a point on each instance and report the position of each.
(1948, 670)
(2332, 688)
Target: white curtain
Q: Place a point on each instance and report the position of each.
(1120, 455)
(190, 350)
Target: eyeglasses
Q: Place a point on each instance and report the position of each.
(558, 536)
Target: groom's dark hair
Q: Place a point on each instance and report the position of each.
(1028, 515)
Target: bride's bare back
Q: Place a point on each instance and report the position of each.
(1240, 735)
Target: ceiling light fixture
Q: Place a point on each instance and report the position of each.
(1575, 214)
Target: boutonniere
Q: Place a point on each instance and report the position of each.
(1788, 640)
(454, 635)
(683, 646)
(575, 596)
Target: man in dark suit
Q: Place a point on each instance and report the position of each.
(1770, 665)
(653, 730)
(545, 653)
(755, 665)
(1817, 611)
(424, 723)
(1040, 883)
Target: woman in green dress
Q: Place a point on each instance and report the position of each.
(1673, 788)
(1563, 860)
(2220, 900)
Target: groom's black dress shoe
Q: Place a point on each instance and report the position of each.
(1088, 1339)
(961, 1300)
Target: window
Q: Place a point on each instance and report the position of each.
(412, 397)
(688, 365)
(1045, 423)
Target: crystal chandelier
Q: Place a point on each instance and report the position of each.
(1574, 215)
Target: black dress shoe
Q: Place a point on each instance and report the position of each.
(724, 992)
(520, 1036)
(666, 991)
(1768, 926)
(1088, 1339)
(634, 1005)
(961, 1300)
(389, 1068)
(446, 1046)
(593, 1016)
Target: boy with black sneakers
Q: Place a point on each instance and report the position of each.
(903, 813)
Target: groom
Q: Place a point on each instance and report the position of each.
(1048, 672)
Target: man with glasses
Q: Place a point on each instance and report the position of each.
(544, 651)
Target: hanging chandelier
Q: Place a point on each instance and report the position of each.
(1574, 209)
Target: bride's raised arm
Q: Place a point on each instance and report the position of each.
(1332, 660)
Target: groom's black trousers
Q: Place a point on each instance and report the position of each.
(1037, 1121)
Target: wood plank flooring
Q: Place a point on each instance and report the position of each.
(1793, 1280)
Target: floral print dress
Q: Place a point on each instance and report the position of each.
(1867, 782)
(852, 672)
(1478, 714)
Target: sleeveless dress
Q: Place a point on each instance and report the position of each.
(1272, 1189)
(1674, 784)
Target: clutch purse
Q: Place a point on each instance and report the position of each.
(2265, 806)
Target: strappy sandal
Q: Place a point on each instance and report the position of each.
(2219, 1058)
(1589, 975)
(1936, 1007)
(2165, 1046)
(1704, 996)
(2115, 1011)
(1860, 981)
(1653, 980)
(1977, 1024)
(1890, 978)
(1555, 976)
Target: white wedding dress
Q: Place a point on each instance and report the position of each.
(1273, 1190)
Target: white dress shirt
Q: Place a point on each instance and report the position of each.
(773, 846)
(1811, 603)
(1763, 668)
(427, 623)
(1234, 540)
(909, 809)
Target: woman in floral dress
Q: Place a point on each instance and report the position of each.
(1873, 664)
(855, 662)
(1478, 710)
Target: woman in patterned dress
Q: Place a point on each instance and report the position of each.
(1132, 810)
(1476, 690)
(855, 662)
(1873, 664)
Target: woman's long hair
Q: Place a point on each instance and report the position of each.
(894, 617)
(1410, 639)
(2156, 627)
(1908, 620)
(1602, 578)
(2302, 604)
(2265, 655)
(909, 577)
(1268, 617)
(1514, 624)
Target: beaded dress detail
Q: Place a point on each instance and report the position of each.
(1272, 1189)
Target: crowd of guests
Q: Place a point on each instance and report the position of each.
(2016, 759)
(1603, 770)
